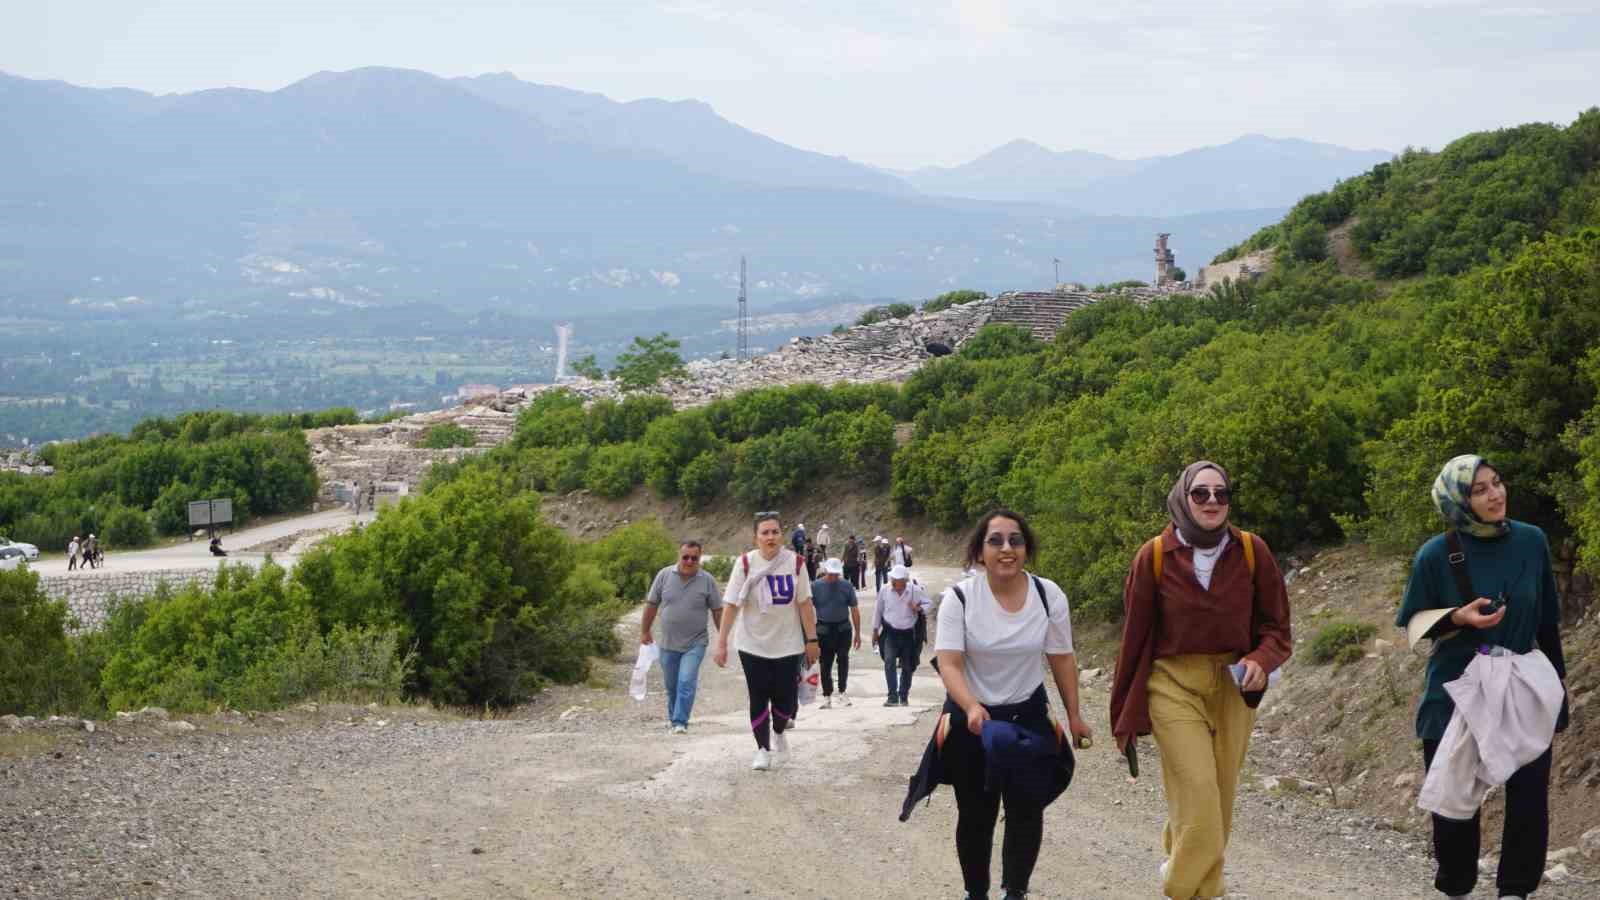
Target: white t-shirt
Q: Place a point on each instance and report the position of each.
(769, 616)
(1004, 651)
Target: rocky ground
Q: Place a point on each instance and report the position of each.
(584, 794)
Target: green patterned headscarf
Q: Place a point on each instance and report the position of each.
(1452, 494)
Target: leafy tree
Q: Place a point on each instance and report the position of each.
(588, 368)
(615, 469)
(1309, 242)
(647, 361)
(630, 557)
(35, 660)
(446, 435)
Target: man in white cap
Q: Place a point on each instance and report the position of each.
(880, 562)
(894, 626)
(838, 626)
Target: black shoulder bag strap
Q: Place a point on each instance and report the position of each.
(1458, 567)
(1037, 585)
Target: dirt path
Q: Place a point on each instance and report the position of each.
(588, 796)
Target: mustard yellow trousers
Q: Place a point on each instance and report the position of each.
(1202, 726)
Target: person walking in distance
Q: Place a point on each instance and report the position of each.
(838, 627)
(901, 554)
(823, 535)
(1206, 621)
(91, 552)
(769, 600)
(894, 626)
(861, 564)
(682, 594)
(72, 553)
(880, 562)
(797, 540)
(851, 563)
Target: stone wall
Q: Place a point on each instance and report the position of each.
(89, 594)
(1245, 268)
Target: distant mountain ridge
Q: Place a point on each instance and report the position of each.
(379, 187)
(1249, 172)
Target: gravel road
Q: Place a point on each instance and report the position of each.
(584, 794)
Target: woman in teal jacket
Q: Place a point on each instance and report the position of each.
(1510, 601)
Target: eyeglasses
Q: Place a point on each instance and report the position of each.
(690, 558)
(1220, 495)
(1015, 539)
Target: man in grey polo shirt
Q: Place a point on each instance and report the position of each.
(682, 594)
(838, 627)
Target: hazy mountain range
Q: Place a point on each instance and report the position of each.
(386, 186)
(1251, 172)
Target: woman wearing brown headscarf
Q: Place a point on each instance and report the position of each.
(1206, 622)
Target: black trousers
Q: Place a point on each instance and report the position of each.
(834, 638)
(978, 810)
(1524, 839)
(774, 686)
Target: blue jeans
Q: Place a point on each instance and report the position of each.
(680, 674)
(899, 652)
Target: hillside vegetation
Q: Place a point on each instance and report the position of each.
(127, 489)
(1331, 400)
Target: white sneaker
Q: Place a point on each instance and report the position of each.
(843, 699)
(680, 729)
(780, 742)
(1162, 872)
(827, 703)
(762, 761)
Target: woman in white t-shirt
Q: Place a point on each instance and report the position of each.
(996, 630)
(769, 599)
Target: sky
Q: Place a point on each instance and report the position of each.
(896, 84)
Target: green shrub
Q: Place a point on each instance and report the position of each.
(37, 669)
(125, 527)
(630, 557)
(703, 478)
(720, 567)
(446, 435)
(1340, 642)
(477, 582)
(614, 469)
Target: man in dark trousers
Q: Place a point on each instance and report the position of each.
(880, 562)
(838, 627)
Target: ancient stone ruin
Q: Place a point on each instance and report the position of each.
(350, 458)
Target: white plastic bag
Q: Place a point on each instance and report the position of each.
(648, 654)
(810, 678)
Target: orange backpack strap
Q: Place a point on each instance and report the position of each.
(1155, 557)
(1249, 551)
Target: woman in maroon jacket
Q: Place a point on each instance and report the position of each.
(1206, 622)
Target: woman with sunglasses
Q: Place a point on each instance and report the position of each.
(1486, 588)
(995, 630)
(769, 598)
(1206, 621)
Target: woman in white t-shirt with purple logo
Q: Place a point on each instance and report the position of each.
(997, 629)
(768, 598)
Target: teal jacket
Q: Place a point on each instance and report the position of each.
(1516, 564)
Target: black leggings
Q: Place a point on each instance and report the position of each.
(1523, 843)
(774, 693)
(835, 639)
(977, 810)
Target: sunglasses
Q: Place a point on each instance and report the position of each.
(1221, 496)
(687, 558)
(1015, 539)
(767, 514)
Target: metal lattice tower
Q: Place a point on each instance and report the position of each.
(744, 315)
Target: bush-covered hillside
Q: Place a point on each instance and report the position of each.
(126, 489)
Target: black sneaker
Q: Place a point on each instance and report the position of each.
(891, 702)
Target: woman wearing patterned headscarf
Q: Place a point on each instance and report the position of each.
(1206, 622)
(1484, 588)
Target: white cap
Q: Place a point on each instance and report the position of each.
(899, 573)
(833, 566)
(801, 526)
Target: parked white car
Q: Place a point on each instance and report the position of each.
(28, 550)
(11, 556)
